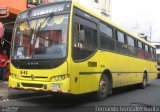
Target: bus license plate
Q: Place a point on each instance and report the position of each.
(55, 86)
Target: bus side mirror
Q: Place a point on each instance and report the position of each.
(82, 35)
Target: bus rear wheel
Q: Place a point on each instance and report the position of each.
(103, 90)
(144, 82)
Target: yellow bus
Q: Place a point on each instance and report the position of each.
(65, 47)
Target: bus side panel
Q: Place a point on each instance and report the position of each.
(121, 69)
(136, 67)
(108, 61)
(153, 71)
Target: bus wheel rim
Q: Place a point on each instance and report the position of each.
(103, 87)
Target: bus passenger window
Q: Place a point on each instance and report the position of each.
(140, 45)
(107, 41)
(120, 37)
(121, 45)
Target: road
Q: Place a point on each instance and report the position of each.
(29, 101)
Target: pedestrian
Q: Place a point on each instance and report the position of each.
(3, 63)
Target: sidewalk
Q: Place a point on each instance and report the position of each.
(3, 91)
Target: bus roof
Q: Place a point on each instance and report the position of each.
(76, 4)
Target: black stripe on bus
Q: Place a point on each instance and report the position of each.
(92, 73)
(133, 72)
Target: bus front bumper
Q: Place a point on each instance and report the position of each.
(59, 86)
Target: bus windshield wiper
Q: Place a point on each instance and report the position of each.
(42, 23)
(36, 33)
(39, 28)
(26, 20)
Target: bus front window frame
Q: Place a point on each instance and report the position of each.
(39, 31)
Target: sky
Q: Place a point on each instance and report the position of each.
(142, 13)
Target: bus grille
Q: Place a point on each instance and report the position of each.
(32, 85)
(36, 78)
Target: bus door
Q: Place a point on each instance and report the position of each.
(83, 47)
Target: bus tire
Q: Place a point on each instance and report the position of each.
(158, 76)
(143, 85)
(103, 90)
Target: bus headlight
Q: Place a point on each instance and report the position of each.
(56, 78)
(60, 77)
(63, 77)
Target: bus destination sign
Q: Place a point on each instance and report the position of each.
(48, 9)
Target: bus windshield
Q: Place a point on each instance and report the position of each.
(41, 38)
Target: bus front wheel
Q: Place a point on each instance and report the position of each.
(103, 90)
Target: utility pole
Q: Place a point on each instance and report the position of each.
(150, 31)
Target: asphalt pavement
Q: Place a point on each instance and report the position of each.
(29, 101)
